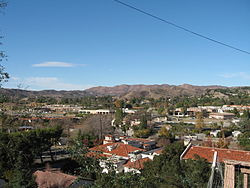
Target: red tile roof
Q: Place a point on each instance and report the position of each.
(138, 164)
(119, 149)
(49, 179)
(223, 154)
(96, 155)
(159, 151)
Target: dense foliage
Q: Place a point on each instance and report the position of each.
(18, 151)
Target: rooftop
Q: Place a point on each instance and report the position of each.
(48, 179)
(118, 148)
(138, 164)
(223, 154)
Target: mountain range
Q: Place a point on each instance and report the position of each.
(123, 91)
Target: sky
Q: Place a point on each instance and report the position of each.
(74, 45)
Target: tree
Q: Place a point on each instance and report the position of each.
(236, 112)
(119, 103)
(199, 124)
(142, 133)
(18, 151)
(118, 116)
(246, 114)
(84, 165)
(164, 133)
(143, 122)
(120, 180)
(167, 170)
(244, 140)
(245, 125)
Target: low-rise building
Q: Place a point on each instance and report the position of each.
(223, 116)
(236, 133)
(151, 153)
(214, 133)
(135, 165)
(99, 111)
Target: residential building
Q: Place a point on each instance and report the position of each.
(222, 116)
(135, 165)
(233, 159)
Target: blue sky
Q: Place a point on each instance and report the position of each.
(59, 44)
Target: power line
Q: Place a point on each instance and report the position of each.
(180, 27)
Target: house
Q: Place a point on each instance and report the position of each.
(52, 179)
(152, 153)
(214, 133)
(236, 133)
(161, 119)
(223, 116)
(116, 154)
(135, 122)
(192, 111)
(238, 107)
(108, 139)
(233, 159)
(140, 143)
(117, 149)
(223, 155)
(112, 163)
(178, 112)
(135, 165)
(25, 128)
(128, 111)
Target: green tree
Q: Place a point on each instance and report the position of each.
(120, 180)
(167, 170)
(245, 125)
(85, 166)
(142, 133)
(246, 114)
(164, 133)
(118, 116)
(236, 112)
(143, 122)
(244, 140)
(18, 151)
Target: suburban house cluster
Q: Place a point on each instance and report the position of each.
(124, 154)
(216, 112)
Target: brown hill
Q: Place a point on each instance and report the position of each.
(124, 91)
(154, 91)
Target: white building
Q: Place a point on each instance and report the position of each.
(99, 111)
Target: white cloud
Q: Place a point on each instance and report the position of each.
(53, 83)
(56, 64)
(241, 75)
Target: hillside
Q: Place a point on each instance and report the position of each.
(151, 91)
(124, 91)
(18, 93)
